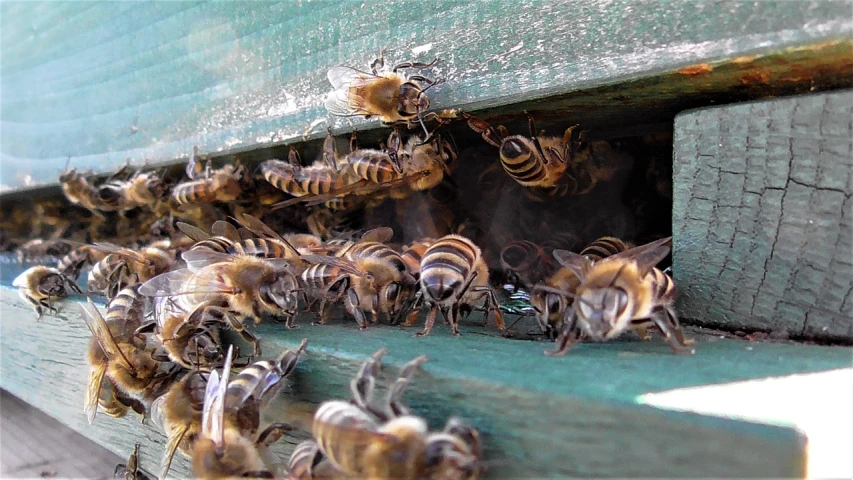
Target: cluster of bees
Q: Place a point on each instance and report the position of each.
(224, 248)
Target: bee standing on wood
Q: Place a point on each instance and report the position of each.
(550, 305)
(130, 470)
(206, 185)
(453, 278)
(387, 94)
(621, 292)
(363, 439)
(41, 285)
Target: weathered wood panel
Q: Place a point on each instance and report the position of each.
(101, 82)
(542, 417)
(763, 215)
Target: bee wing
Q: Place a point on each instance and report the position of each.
(213, 413)
(342, 77)
(157, 415)
(575, 262)
(647, 256)
(98, 326)
(198, 259)
(378, 234)
(181, 282)
(225, 229)
(93, 390)
(194, 233)
(175, 439)
(124, 252)
(255, 225)
(342, 263)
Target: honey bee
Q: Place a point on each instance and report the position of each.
(71, 264)
(130, 470)
(79, 191)
(231, 443)
(386, 94)
(550, 305)
(139, 190)
(191, 339)
(37, 249)
(124, 316)
(453, 277)
(122, 267)
(230, 288)
(364, 439)
(41, 285)
(621, 292)
(206, 186)
(133, 363)
(179, 412)
(392, 280)
(552, 166)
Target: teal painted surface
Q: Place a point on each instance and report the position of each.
(538, 418)
(232, 76)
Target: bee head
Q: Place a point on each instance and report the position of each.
(413, 100)
(278, 295)
(53, 285)
(602, 312)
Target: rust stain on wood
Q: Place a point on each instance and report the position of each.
(698, 69)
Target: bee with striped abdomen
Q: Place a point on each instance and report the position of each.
(367, 439)
(40, 286)
(231, 443)
(122, 267)
(618, 293)
(179, 413)
(139, 190)
(552, 166)
(135, 363)
(549, 304)
(453, 278)
(206, 186)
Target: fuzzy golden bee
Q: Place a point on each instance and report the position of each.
(387, 94)
(618, 293)
(453, 278)
(79, 191)
(549, 304)
(179, 413)
(368, 439)
(231, 443)
(139, 190)
(124, 316)
(41, 285)
(231, 288)
(135, 364)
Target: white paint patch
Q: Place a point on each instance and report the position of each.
(515, 48)
(818, 404)
(422, 49)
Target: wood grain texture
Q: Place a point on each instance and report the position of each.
(103, 82)
(541, 417)
(763, 215)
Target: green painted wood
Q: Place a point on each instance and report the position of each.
(539, 416)
(79, 77)
(763, 215)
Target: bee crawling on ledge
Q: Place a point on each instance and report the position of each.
(41, 285)
(618, 293)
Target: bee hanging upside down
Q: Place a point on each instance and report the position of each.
(621, 292)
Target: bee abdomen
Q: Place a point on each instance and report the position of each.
(216, 244)
(373, 166)
(662, 285)
(331, 420)
(604, 247)
(521, 163)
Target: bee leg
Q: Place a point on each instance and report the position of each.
(363, 384)
(351, 303)
(248, 336)
(394, 404)
(569, 335)
(454, 319)
(379, 63)
(273, 433)
(403, 65)
(37, 306)
(666, 321)
(429, 323)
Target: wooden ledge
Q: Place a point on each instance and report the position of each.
(579, 415)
